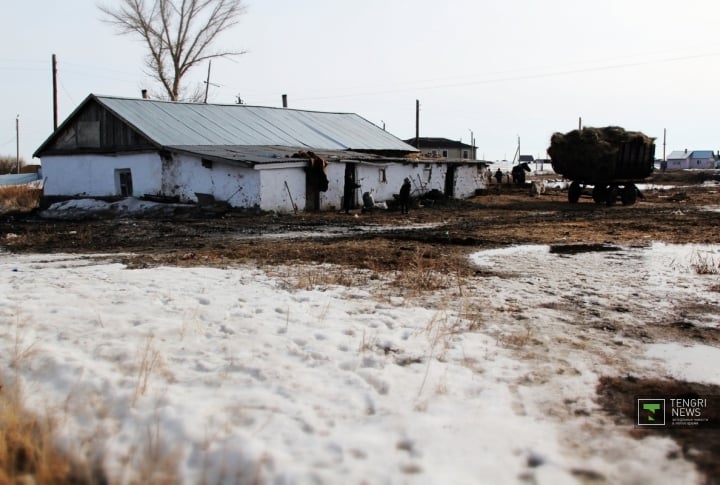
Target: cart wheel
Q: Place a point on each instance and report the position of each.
(599, 194)
(629, 194)
(574, 193)
(611, 196)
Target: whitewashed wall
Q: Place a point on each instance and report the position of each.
(468, 178)
(275, 196)
(424, 177)
(262, 187)
(332, 198)
(184, 175)
(94, 175)
(702, 163)
(677, 164)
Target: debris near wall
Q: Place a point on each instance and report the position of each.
(593, 155)
(317, 167)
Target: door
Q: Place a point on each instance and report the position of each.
(350, 187)
(450, 181)
(123, 182)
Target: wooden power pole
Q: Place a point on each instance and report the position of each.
(55, 96)
(417, 124)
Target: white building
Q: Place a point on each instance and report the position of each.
(699, 159)
(248, 156)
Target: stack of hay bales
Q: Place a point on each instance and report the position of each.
(593, 155)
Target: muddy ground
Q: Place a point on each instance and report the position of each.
(441, 233)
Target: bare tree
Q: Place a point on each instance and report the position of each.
(178, 34)
(9, 164)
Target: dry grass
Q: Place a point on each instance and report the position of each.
(311, 277)
(705, 264)
(149, 361)
(19, 198)
(427, 271)
(27, 451)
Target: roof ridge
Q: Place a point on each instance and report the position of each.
(228, 105)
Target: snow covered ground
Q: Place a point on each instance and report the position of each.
(243, 375)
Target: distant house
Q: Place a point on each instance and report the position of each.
(526, 159)
(699, 159)
(248, 156)
(443, 148)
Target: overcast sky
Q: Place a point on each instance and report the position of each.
(502, 70)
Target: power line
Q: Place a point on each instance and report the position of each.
(514, 78)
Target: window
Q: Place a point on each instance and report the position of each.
(444, 153)
(123, 182)
(383, 176)
(207, 163)
(466, 154)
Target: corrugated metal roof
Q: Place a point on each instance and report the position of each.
(683, 155)
(703, 154)
(678, 155)
(191, 124)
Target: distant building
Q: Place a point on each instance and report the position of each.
(526, 159)
(443, 148)
(684, 159)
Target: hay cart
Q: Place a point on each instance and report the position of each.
(609, 159)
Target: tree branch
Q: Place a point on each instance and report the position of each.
(177, 33)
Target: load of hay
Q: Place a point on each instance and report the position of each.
(593, 155)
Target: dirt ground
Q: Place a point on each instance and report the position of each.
(441, 234)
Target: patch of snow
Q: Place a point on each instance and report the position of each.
(246, 376)
(83, 208)
(692, 363)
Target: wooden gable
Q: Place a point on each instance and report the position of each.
(94, 129)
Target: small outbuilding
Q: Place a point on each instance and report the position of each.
(246, 156)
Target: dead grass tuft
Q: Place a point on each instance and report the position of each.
(27, 450)
(149, 361)
(517, 340)
(310, 277)
(705, 264)
(427, 271)
(19, 198)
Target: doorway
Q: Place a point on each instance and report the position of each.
(450, 180)
(123, 182)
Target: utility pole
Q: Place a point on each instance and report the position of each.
(17, 142)
(473, 155)
(55, 96)
(417, 124)
(207, 83)
(664, 140)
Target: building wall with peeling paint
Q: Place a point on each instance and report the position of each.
(184, 175)
(277, 187)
